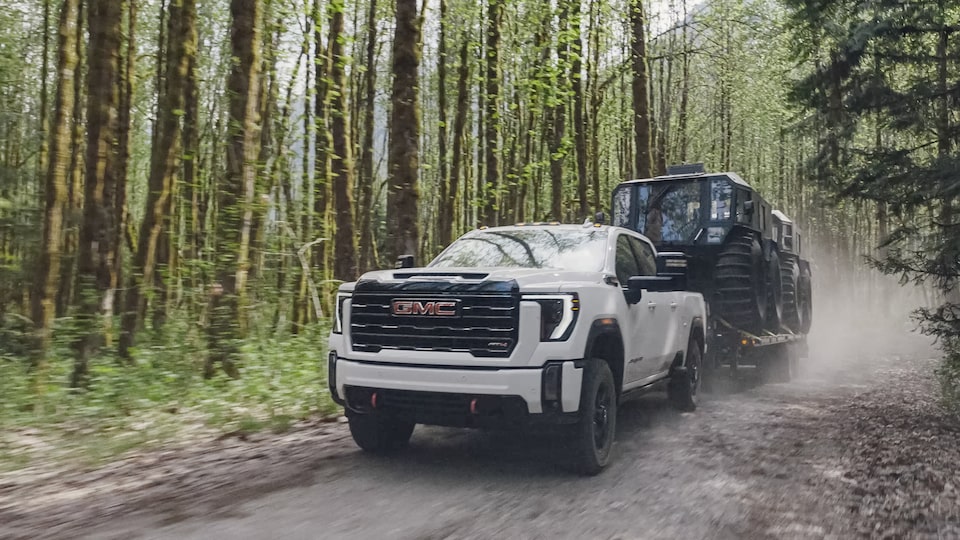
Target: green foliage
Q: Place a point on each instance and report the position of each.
(160, 396)
(884, 86)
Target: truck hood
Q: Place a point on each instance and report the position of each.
(475, 279)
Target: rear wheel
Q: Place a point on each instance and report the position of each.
(593, 434)
(685, 382)
(379, 434)
(741, 283)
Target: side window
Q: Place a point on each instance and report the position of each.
(622, 199)
(626, 262)
(742, 215)
(647, 260)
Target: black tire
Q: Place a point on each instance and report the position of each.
(593, 434)
(805, 297)
(774, 293)
(380, 434)
(790, 277)
(776, 365)
(684, 387)
(741, 283)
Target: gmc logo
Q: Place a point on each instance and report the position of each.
(424, 308)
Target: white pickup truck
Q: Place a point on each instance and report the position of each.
(509, 326)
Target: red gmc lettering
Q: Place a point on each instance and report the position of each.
(429, 308)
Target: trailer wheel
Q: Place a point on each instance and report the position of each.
(741, 282)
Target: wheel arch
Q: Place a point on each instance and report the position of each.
(698, 334)
(605, 342)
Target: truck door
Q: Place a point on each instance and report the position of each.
(638, 328)
(664, 306)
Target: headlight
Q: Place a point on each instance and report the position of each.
(558, 314)
(338, 319)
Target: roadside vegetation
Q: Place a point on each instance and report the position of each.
(160, 397)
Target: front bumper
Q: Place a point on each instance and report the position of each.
(459, 396)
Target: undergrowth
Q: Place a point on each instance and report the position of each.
(158, 397)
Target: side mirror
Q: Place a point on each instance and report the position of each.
(637, 284)
(599, 218)
(405, 261)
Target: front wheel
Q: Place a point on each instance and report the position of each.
(593, 434)
(379, 434)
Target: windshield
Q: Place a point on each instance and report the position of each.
(555, 248)
(671, 213)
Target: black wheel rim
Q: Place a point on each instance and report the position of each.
(601, 417)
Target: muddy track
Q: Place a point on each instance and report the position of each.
(856, 446)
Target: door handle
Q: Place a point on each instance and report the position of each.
(652, 305)
(673, 306)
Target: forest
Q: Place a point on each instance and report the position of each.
(183, 184)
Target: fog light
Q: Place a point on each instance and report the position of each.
(551, 383)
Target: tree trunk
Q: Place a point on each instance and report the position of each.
(127, 78)
(301, 302)
(404, 153)
(595, 98)
(643, 163)
(98, 231)
(459, 136)
(44, 123)
(322, 142)
(74, 209)
(191, 147)
(345, 262)
(55, 191)
(165, 163)
(684, 92)
(492, 119)
(236, 196)
(579, 123)
(558, 115)
(367, 175)
(445, 213)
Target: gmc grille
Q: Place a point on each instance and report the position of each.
(486, 325)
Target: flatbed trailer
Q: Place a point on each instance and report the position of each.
(777, 355)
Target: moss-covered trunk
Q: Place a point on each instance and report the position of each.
(236, 195)
(403, 208)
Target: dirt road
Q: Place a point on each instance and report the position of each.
(856, 446)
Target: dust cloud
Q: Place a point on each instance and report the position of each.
(860, 317)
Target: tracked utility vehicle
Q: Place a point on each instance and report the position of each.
(740, 253)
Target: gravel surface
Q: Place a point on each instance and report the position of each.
(855, 446)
